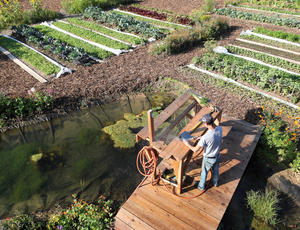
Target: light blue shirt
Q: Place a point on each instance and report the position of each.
(211, 142)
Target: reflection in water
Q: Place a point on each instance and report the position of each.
(44, 164)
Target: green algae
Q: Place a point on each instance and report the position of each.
(87, 136)
(81, 167)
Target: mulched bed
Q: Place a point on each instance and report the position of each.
(13, 79)
(50, 4)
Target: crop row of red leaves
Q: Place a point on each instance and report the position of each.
(154, 14)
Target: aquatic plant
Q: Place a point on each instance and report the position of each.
(87, 136)
(81, 167)
(264, 205)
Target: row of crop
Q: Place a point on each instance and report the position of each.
(123, 22)
(278, 34)
(288, 4)
(71, 41)
(87, 34)
(157, 15)
(253, 73)
(271, 42)
(273, 10)
(101, 29)
(51, 44)
(265, 58)
(291, 22)
(29, 56)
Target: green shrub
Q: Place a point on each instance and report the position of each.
(10, 13)
(296, 163)
(22, 222)
(264, 205)
(82, 215)
(208, 6)
(157, 48)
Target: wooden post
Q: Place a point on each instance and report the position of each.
(150, 126)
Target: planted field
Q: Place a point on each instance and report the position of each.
(278, 34)
(265, 58)
(29, 56)
(87, 34)
(124, 22)
(92, 50)
(258, 75)
(272, 10)
(152, 21)
(97, 27)
(291, 22)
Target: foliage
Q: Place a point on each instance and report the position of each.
(78, 6)
(295, 165)
(90, 35)
(265, 58)
(123, 22)
(208, 6)
(184, 39)
(90, 49)
(82, 215)
(278, 34)
(29, 56)
(97, 27)
(256, 74)
(20, 107)
(10, 13)
(22, 222)
(290, 4)
(264, 205)
(282, 11)
(55, 46)
(276, 19)
(279, 138)
(153, 13)
(271, 42)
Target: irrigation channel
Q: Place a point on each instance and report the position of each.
(44, 164)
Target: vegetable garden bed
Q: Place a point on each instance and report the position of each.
(92, 50)
(29, 56)
(282, 83)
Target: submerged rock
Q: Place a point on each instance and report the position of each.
(287, 182)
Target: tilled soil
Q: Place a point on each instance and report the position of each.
(50, 4)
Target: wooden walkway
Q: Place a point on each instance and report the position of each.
(155, 207)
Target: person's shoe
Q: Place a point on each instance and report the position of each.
(196, 184)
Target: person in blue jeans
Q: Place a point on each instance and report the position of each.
(211, 142)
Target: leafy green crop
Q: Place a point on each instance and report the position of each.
(279, 34)
(265, 58)
(87, 34)
(289, 4)
(97, 27)
(273, 10)
(92, 50)
(29, 56)
(291, 22)
(253, 73)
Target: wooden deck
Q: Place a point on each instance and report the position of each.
(155, 207)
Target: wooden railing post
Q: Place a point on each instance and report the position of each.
(150, 127)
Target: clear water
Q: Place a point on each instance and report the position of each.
(77, 158)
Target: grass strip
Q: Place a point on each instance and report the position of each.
(265, 58)
(271, 42)
(153, 22)
(276, 10)
(92, 50)
(278, 34)
(95, 26)
(29, 56)
(87, 34)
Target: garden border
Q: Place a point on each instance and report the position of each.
(222, 51)
(268, 46)
(271, 55)
(192, 66)
(63, 69)
(23, 65)
(112, 50)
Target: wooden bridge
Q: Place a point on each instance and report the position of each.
(165, 207)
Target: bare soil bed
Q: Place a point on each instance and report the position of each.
(50, 4)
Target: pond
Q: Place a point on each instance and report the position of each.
(45, 164)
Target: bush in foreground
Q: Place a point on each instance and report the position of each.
(264, 205)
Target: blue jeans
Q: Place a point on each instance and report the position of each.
(207, 164)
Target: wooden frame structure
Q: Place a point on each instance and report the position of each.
(176, 153)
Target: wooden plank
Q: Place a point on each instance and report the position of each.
(162, 117)
(154, 215)
(179, 207)
(120, 225)
(177, 120)
(133, 221)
